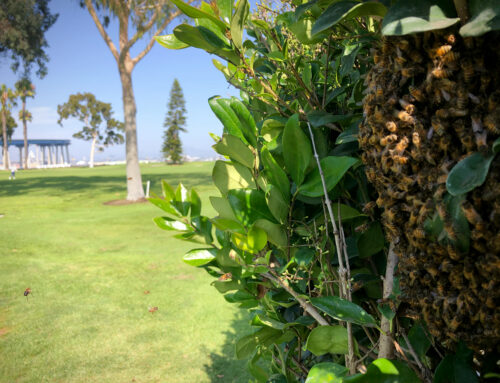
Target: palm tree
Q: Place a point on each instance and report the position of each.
(24, 89)
(8, 101)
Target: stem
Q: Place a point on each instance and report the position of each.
(326, 73)
(386, 349)
(462, 10)
(305, 305)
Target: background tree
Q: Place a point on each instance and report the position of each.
(174, 122)
(23, 24)
(8, 101)
(92, 112)
(11, 125)
(25, 89)
(140, 18)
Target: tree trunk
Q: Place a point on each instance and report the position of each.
(5, 147)
(25, 133)
(134, 179)
(92, 151)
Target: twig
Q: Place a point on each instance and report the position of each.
(309, 308)
(423, 369)
(343, 285)
(297, 375)
(386, 349)
(326, 73)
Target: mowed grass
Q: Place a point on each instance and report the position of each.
(89, 266)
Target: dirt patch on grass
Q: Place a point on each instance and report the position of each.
(3, 330)
(121, 202)
(182, 277)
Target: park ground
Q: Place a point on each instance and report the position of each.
(94, 271)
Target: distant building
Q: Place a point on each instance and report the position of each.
(51, 153)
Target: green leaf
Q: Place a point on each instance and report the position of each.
(277, 205)
(167, 190)
(247, 123)
(263, 320)
(246, 345)
(297, 150)
(164, 205)
(485, 17)
(468, 174)
(303, 29)
(167, 223)
(181, 200)
(249, 205)
(225, 286)
(170, 42)
(228, 225)
(222, 109)
(386, 311)
(225, 9)
(324, 339)
(195, 204)
(457, 368)
(346, 10)
(221, 206)
(348, 135)
(227, 176)
(235, 149)
(344, 310)
(496, 146)
(199, 257)
(385, 371)
(238, 22)
(253, 242)
(275, 174)
(195, 13)
(334, 169)
(405, 17)
(275, 233)
(326, 372)
(459, 222)
(304, 256)
(319, 118)
(371, 241)
(419, 340)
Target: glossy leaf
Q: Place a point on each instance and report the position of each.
(228, 225)
(247, 123)
(166, 223)
(221, 206)
(252, 242)
(327, 339)
(196, 13)
(496, 146)
(227, 176)
(419, 340)
(297, 150)
(277, 204)
(319, 118)
(238, 22)
(225, 9)
(275, 232)
(346, 10)
(195, 204)
(235, 149)
(165, 205)
(468, 174)
(343, 310)
(249, 205)
(303, 29)
(263, 320)
(170, 42)
(304, 256)
(385, 371)
(485, 17)
(405, 17)
(371, 241)
(457, 368)
(275, 173)
(167, 190)
(326, 372)
(334, 169)
(199, 257)
(222, 109)
(246, 345)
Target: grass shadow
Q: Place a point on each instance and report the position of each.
(223, 366)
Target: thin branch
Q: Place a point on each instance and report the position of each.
(327, 65)
(424, 371)
(103, 33)
(386, 349)
(309, 308)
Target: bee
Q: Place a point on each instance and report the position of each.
(431, 269)
(462, 98)
(404, 45)
(369, 207)
(444, 143)
(443, 50)
(468, 70)
(415, 139)
(27, 292)
(401, 145)
(441, 73)
(416, 93)
(391, 126)
(493, 101)
(373, 140)
(438, 126)
(450, 230)
(455, 323)
(481, 144)
(458, 112)
(446, 265)
(408, 107)
(386, 46)
(400, 60)
(450, 39)
(485, 82)
(442, 212)
(379, 94)
(401, 160)
(152, 309)
(453, 253)
(451, 57)
(378, 116)
(404, 116)
(419, 233)
(362, 228)
(387, 140)
(225, 277)
(442, 113)
(408, 72)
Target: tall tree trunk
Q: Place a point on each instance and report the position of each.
(25, 133)
(92, 150)
(5, 147)
(134, 179)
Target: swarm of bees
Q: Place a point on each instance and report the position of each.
(432, 99)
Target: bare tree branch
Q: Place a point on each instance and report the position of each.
(103, 33)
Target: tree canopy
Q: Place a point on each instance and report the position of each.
(23, 24)
(174, 122)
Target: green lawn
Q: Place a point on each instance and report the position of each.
(88, 266)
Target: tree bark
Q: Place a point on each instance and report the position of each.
(25, 133)
(386, 347)
(135, 190)
(5, 147)
(92, 151)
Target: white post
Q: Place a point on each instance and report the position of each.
(147, 189)
(67, 155)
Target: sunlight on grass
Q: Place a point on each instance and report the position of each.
(94, 271)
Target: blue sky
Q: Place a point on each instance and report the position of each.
(80, 61)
